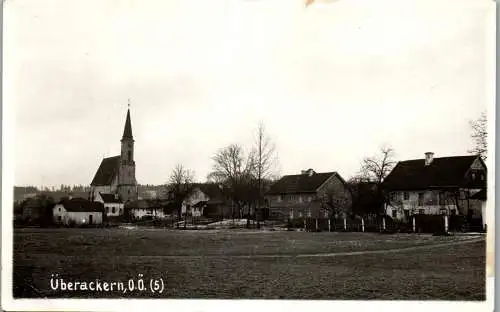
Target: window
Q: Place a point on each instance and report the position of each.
(300, 214)
(291, 213)
(107, 209)
(59, 209)
(309, 198)
(394, 214)
(129, 155)
(326, 213)
(421, 211)
(278, 198)
(420, 199)
(113, 210)
(442, 211)
(453, 212)
(393, 196)
(482, 177)
(309, 213)
(59, 218)
(406, 196)
(300, 199)
(407, 213)
(473, 176)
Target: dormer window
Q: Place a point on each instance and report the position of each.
(473, 176)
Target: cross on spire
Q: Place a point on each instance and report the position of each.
(129, 103)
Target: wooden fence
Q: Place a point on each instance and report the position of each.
(414, 224)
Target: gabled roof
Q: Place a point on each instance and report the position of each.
(110, 198)
(442, 172)
(300, 183)
(127, 131)
(81, 205)
(107, 171)
(212, 190)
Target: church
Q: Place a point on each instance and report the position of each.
(116, 175)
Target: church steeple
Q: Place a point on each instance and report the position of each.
(127, 131)
(127, 154)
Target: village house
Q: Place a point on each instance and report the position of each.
(78, 211)
(113, 206)
(116, 175)
(206, 199)
(445, 185)
(305, 195)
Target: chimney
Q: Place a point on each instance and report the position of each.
(308, 172)
(429, 157)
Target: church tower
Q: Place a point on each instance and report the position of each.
(127, 184)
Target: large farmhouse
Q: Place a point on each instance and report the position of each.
(306, 195)
(445, 185)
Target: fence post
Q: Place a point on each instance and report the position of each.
(316, 224)
(414, 227)
(345, 224)
(446, 223)
(362, 225)
(329, 226)
(383, 223)
(305, 225)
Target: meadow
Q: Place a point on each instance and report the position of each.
(244, 264)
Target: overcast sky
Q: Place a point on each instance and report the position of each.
(332, 82)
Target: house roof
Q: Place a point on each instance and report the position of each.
(127, 131)
(212, 190)
(107, 171)
(110, 198)
(442, 172)
(300, 183)
(81, 205)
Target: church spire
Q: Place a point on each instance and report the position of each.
(127, 131)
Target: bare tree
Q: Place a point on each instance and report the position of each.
(234, 171)
(180, 185)
(479, 135)
(376, 168)
(265, 159)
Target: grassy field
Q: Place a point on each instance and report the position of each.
(244, 264)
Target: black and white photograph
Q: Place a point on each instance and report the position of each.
(314, 152)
